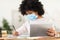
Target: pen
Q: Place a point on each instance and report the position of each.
(14, 28)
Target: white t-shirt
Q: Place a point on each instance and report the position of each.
(25, 28)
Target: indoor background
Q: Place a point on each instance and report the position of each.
(9, 11)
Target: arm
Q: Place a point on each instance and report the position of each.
(21, 30)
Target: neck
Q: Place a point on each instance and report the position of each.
(40, 17)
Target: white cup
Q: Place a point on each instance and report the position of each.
(4, 33)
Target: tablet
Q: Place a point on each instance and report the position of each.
(37, 30)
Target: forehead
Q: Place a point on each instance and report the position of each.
(29, 12)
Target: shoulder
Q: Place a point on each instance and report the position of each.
(47, 20)
(43, 21)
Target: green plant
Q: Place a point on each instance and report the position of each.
(6, 26)
(0, 32)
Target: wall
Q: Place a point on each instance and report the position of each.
(6, 7)
(52, 10)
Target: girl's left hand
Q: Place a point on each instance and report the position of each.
(51, 32)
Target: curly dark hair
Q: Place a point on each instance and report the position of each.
(33, 5)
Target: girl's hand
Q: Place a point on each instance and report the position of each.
(15, 33)
(51, 32)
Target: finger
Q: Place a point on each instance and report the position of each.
(50, 34)
(51, 30)
(15, 34)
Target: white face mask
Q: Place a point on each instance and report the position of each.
(31, 16)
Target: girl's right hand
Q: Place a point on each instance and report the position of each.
(15, 33)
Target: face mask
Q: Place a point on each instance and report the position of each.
(31, 16)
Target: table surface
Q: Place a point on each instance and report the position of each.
(31, 38)
(47, 38)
